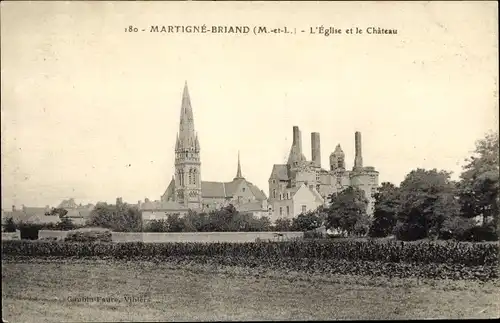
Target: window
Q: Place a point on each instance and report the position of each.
(304, 209)
(317, 187)
(281, 210)
(317, 177)
(287, 210)
(243, 189)
(190, 180)
(340, 163)
(274, 181)
(274, 193)
(194, 176)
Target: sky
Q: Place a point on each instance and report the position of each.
(91, 112)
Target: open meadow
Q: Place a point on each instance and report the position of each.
(57, 281)
(55, 290)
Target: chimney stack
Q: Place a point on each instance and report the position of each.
(315, 149)
(297, 139)
(358, 159)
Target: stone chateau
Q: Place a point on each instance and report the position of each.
(301, 185)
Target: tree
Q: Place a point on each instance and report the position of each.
(61, 212)
(223, 220)
(346, 209)
(65, 222)
(195, 222)
(306, 222)
(130, 219)
(175, 223)
(157, 226)
(283, 224)
(121, 217)
(426, 199)
(102, 216)
(479, 181)
(385, 210)
(458, 228)
(262, 224)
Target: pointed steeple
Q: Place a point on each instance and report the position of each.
(238, 171)
(186, 123)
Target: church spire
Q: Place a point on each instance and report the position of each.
(186, 124)
(238, 171)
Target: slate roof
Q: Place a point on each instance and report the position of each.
(280, 172)
(318, 196)
(228, 189)
(157, 205)
(212, 189)
(170, 189)
(35, 210)
(259, 194)
(78, 213)
(68, 204)
(20, 216)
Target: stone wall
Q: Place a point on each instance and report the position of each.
(60, 235)
(204, 237)
(207, 237)
(11, 235)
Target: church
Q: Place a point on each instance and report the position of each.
(186, 191)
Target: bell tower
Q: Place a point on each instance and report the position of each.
(187, 158)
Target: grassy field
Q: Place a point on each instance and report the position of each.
(54, 290)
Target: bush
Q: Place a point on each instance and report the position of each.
(313, 234)
(65, 225)
(89, 236)
(29, 231)
(458, 228)
(48, 239)
(484, 233)
(157, 226)
(10, 226)
(409, 231)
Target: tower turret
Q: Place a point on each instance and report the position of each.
(337, 159)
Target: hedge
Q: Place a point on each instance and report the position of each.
(468, 254)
